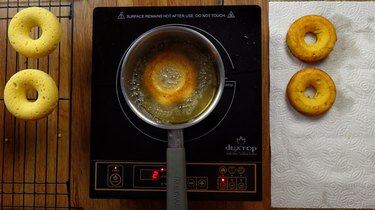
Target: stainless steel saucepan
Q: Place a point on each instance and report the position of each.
(172, 77)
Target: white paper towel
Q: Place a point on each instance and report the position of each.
(326, 161)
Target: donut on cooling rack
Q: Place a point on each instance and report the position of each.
(321, 82)
(21, 25)
(321, 28)
(16, 90)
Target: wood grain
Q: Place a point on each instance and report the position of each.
(34, 155)
(38, 151)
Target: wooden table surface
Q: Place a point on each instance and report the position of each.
(72, 118)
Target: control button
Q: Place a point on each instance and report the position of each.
(241, 183)
(232, 170)
(223, 186)
(202, 183)
(191, 183)
(222, 170)
(232, 183)
(222, 183)
(241, 170)
(115, 179)
(115, 174)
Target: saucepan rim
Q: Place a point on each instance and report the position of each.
(196, 35)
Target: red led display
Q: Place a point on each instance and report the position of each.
(150, 174)
(155, 175)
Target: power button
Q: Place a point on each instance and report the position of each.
(115, 180)
(115, 176)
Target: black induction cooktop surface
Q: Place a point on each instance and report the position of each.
(223, 152)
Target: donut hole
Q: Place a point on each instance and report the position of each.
(310, 38)
(32, 95)
(35, 32)
(310, 92)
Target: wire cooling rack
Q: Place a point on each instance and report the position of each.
(35, 155)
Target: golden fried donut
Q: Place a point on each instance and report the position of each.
(324, 32)
(20, 27)
(16, 90)
(325, 91)
(170, 77)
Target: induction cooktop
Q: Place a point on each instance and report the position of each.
(223, 152)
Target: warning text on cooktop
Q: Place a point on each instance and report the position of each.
(123, 15)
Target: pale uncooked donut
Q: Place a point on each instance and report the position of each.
(20, 27)
(17, 87)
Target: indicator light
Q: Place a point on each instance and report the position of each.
(222, 180)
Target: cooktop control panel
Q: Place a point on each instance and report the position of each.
(150, 177)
